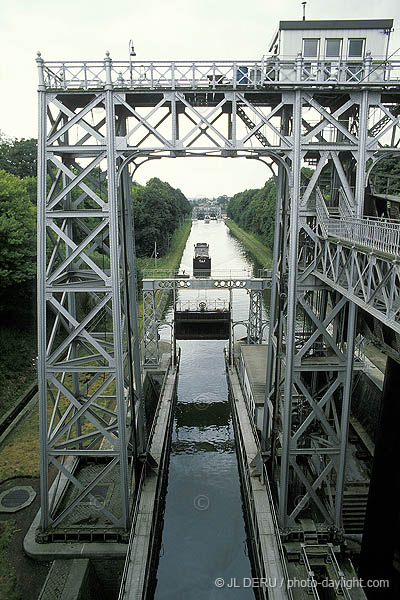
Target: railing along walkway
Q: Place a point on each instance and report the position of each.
(381, 235)
(241, 74)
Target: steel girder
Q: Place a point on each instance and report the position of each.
(255, 286)
(369, 280)
(151, 354)
(96, 117)
(255, 327)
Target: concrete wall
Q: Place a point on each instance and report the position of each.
(366, 402)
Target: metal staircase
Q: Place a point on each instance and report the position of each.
(249, 123)
(377, 128)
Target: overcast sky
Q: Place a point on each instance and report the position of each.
(161, 30)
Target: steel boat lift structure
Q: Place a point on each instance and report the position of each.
(98, 123)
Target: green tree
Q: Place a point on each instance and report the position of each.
(18, 156)
(17, 247)
(158, 209)
(17, 232)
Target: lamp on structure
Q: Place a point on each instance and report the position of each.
(131, 53)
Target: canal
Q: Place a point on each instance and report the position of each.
(204, 537)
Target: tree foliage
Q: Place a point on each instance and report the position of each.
(158, 209)
(18, 156)
(17, 232)
(385, 177)
(17, 251)
(254, 210)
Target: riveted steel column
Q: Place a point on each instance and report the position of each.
(345, 415)
(361, 154)
(254, 332)
(41, 295)
(116, 293)
(132, 297)
(274, 317)
(291, 313)
(151, 356)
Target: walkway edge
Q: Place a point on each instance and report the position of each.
(140, 556)
(259, 509)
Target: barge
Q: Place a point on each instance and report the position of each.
(201, 259)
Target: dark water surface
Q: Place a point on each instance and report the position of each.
(204, 535)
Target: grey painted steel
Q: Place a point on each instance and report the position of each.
(243, 74)
(255, 328)
(150, 319)
(151, 356)
(291, 312)
(208, 109)
(210, 283)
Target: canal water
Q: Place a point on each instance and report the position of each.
(204, 538)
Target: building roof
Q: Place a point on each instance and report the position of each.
(341, 24)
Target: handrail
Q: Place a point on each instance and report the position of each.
(322, 213)
(377, 235)
(382, 235)
(202, 306)
(345, 208)
(238, 74)
(179, 273)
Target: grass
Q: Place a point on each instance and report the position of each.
(19, 455)
(17, 365)
(171, 260)
(7, 574)
(261, 253)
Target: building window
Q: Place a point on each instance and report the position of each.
(333, 47)
(310, 47)
(356, 48)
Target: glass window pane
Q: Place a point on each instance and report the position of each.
(333, 47)
(310, 48)
(356, 47)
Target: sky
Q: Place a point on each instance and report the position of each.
(161, 30)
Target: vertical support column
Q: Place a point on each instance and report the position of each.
(116, 294)
(361, 154)
(345, 413)
(291, 311)
(150, 331)
(275, 318)
(41, 295)
(137, 399)
(254, 333)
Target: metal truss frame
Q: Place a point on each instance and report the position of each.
(255, 327)
(255, 286)
(369, 280)
(306, 393)
(97, 118)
